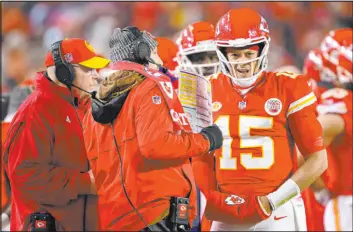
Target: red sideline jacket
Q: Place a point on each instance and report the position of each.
(46, 162)
(154, 152)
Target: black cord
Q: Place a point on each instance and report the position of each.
(85, 196)
(121, 165)
(122, 180)
(73, 103)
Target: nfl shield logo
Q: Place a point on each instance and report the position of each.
(68, 58)
(242, 105)
(156, 100)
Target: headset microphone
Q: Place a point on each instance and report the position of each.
(92, 94)
(160, 67)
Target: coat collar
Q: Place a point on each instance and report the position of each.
(47, 87)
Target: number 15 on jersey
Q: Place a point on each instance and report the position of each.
(229, 161)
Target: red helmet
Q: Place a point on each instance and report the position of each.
(345, 65)
(332, 43)
(313, 65)
(336, 48)
(241, 28)
(317, 67)
(198, 37)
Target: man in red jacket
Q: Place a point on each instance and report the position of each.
(150, 134)
(141, 148)
(44, 153)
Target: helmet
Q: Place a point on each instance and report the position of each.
(313, 65)
(241, 28)
(331, 44)
(345, 65)
(337, 49)
(317, 67)
(196, 38)
(167, 51)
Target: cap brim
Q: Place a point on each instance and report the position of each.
(95, 62)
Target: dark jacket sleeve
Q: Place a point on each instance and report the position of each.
(155, 134)
(31, 170)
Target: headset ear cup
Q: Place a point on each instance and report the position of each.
(65, 74)
(72, 73)
(142, 52)
(64, 71)
(60, 73)
(135, 52)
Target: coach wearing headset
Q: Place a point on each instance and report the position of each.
(44, 153)
(139, 141)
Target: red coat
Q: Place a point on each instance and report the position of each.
(155, 159)
(5, 194)
(46, 162)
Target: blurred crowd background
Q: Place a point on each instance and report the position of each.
(29, 28)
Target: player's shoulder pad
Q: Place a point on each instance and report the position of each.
(291, 80)
(289, 76)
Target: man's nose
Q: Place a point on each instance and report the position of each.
(242, 57)
(95, 75)
(208, 60)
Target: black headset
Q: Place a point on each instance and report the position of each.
(140, 51)
(64, 71)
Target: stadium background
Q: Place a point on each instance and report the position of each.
(28, 28)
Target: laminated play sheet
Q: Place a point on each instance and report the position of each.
(196, 98)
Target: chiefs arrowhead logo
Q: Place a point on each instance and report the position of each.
(234, 200)
(40, 224)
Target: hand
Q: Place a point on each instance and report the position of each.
(265, 205)
(214, 136)
(248, 211)
(93, 189)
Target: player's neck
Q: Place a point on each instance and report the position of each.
(244, 90)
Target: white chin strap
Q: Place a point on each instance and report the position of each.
(246, 81)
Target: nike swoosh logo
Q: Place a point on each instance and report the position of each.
(279, 218)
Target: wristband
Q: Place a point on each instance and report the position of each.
(284, 193)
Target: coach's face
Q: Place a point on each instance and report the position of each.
(155, 57)
(86, 78)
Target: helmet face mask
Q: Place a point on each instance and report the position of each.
(257, 65)
(242, 28)
(197, 49)
(202, 60)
